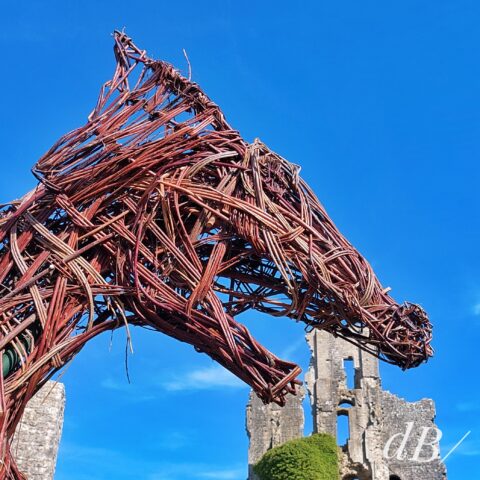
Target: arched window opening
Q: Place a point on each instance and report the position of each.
(343, 428)
(349, 369)
(346, 404)
(395, 477)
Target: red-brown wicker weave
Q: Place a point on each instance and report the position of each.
(157, 213)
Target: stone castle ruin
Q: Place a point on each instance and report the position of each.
(37, 437)
(379, 423)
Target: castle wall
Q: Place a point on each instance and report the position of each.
(331, 397)
(271, 425)
(398, 415)
(37, 438)
(374, 417)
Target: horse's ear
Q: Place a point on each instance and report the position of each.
(258, 143)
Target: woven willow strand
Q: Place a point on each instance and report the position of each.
(157, 213)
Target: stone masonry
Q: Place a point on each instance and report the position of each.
(330, 397)
(270, 425)
(376, 418)
(396, 413)
(36, 440)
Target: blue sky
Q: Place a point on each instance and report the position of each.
(380, 104)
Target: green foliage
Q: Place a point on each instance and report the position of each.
(309, 458)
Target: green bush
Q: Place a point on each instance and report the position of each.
(309, 458)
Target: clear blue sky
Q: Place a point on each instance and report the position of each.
(378, 101)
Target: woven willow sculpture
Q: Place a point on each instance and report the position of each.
(157, 213)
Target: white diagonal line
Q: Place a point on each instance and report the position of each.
(456, 445)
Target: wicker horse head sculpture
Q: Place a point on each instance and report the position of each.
(157, 213)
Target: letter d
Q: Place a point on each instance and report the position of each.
(403, 444)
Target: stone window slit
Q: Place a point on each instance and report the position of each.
(349, 369)
(343, 428)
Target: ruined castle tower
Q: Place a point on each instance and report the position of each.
(388, 437)
(269, 426)
(37, 437)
